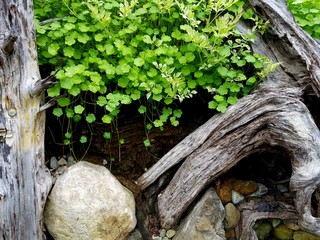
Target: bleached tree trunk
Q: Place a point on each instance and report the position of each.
(24, 180)
(273, 115)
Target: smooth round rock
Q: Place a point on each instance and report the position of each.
(232, 217)
(87, 202)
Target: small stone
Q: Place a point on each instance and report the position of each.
(232, 217)
(245, 188)
(262, 190)
(282, 189)
(236, 197)
(62, 162)
(275, 222)
(61, 170)
(282, 232)
(230, 233)
(291, 224)
(162, 233)
(301, 235)
(135, 235)
(224, 192)
(156, 238)
(70, 161)
(170, 233)
(263, 229)
(54, 163)
(165, 238)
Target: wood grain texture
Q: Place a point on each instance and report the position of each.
(273, 115)
(24, 181)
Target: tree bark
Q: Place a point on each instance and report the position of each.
(24, 179)
(273, 115)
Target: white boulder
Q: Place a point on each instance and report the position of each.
(87, 202)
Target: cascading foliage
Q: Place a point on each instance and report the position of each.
(307, 15)
(109, 53)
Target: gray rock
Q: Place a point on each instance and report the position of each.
(262, 190)
(236, 197)
(162, 233)
(263, 229)
(88, 202)
(135, 235)
(62, 162)
(170, 233)
(205, 221)
(54, 163)
(282, 188)
(70, 161)
(232, 217)
(276, 222)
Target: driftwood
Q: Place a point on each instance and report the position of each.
(24, 179)
(273, 115)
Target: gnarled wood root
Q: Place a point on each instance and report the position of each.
(251, 212)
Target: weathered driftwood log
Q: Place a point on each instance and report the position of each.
(24, 181)
(273, 115)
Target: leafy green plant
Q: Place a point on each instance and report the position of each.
(156, 52)
(307, 15)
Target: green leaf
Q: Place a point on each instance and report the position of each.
(90, 118)
(250, 59)
(223, 71)
(83, 139)
(69, 40)
(123, 82)
(63, 102)
(177, 113)
(139, 61)
(68, 134)
(99, 37)
(54, 91)
(232, 100)
(78, 109)
(76, 118)
(53, 48)
(106, 135)
(106, 119)
(223, 89)
(57, 112)
(222, 107)
(225, 51)
(158, 123)
(251, 80)
(68, 51)
(174, 122)
(102, 101)
(121, 141)
(69, 113)
(147, 143)
(142, 109)
(212, 105)
(66, 83)
(74, 91)
(218, 98)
